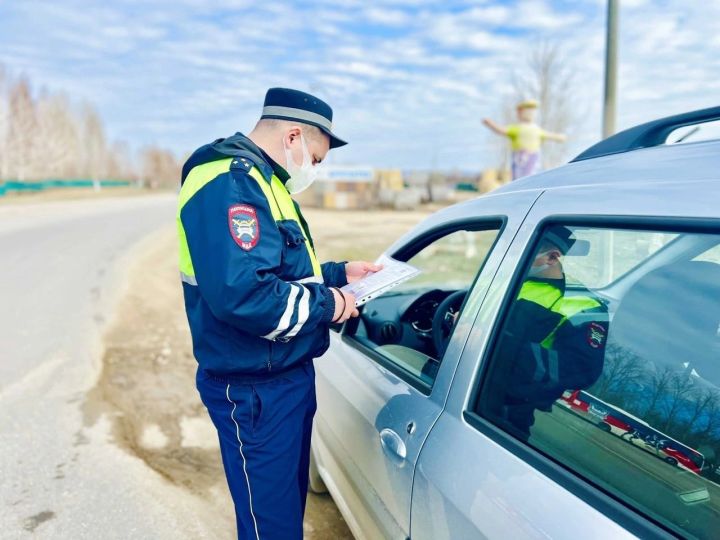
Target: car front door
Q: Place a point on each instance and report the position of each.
(384, 381)
(624, 450)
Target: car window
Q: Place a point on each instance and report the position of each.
(615, 251)
(625, 393)
(706, 131)
(409, 328)
(710, 255)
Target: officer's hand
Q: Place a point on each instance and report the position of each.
(344, 306)
(355, 270)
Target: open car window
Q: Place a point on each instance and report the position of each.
(408, 329)
(623, 391)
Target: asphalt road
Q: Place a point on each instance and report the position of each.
(61, 271)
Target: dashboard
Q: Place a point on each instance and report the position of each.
(403, 318)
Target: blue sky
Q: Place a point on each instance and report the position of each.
(409, 80)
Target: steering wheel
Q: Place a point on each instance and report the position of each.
(444, 320)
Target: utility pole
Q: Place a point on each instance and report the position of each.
(610, 69)
(609, 106)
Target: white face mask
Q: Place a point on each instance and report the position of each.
(301, 176)
(536, 271)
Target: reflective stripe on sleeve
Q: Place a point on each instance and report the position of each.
(287, 314)
(303, 313)
(311, 279)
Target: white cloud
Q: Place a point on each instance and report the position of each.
(361, 68)
(178, 72)
(537, 14)
(492, 15)
(389, 17)
(468, 90)
(454, 31)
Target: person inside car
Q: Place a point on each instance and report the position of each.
(553, 341)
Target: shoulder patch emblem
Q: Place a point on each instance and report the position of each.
(596, 335)
(244, 226)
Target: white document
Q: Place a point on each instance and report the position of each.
(374, 284)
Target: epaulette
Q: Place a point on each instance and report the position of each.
(241, 163)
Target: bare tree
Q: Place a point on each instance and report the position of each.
(622, 369)
(22, 127)
(93, 145)
(46, 136)
(548, 76)
(58, 131)
(703, 400)
(120, 162)
(4, 121)
(160, 168)
(712, 412)
(680, 386)
(660, 383)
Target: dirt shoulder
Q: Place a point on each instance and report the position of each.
(147, 384)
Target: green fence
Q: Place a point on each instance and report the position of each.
(11, 186)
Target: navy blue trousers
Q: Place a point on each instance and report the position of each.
(264, 430)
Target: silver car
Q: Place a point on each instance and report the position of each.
(554, 371)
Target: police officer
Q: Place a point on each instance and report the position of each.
(259, 303)
(552, 341)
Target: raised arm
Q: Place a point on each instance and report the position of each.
(557, 137)
(500, 130)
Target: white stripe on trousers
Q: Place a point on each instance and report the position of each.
(247, 478)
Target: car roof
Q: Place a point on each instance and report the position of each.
(658, 164)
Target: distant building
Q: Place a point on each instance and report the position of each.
(346, 174)
(341, 187)
(360, 187)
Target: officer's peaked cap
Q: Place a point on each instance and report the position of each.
(560, 236)
(288, 104)
(564, 239)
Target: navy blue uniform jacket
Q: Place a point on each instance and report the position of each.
(259, 311)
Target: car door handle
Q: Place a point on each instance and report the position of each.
(391, 442)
